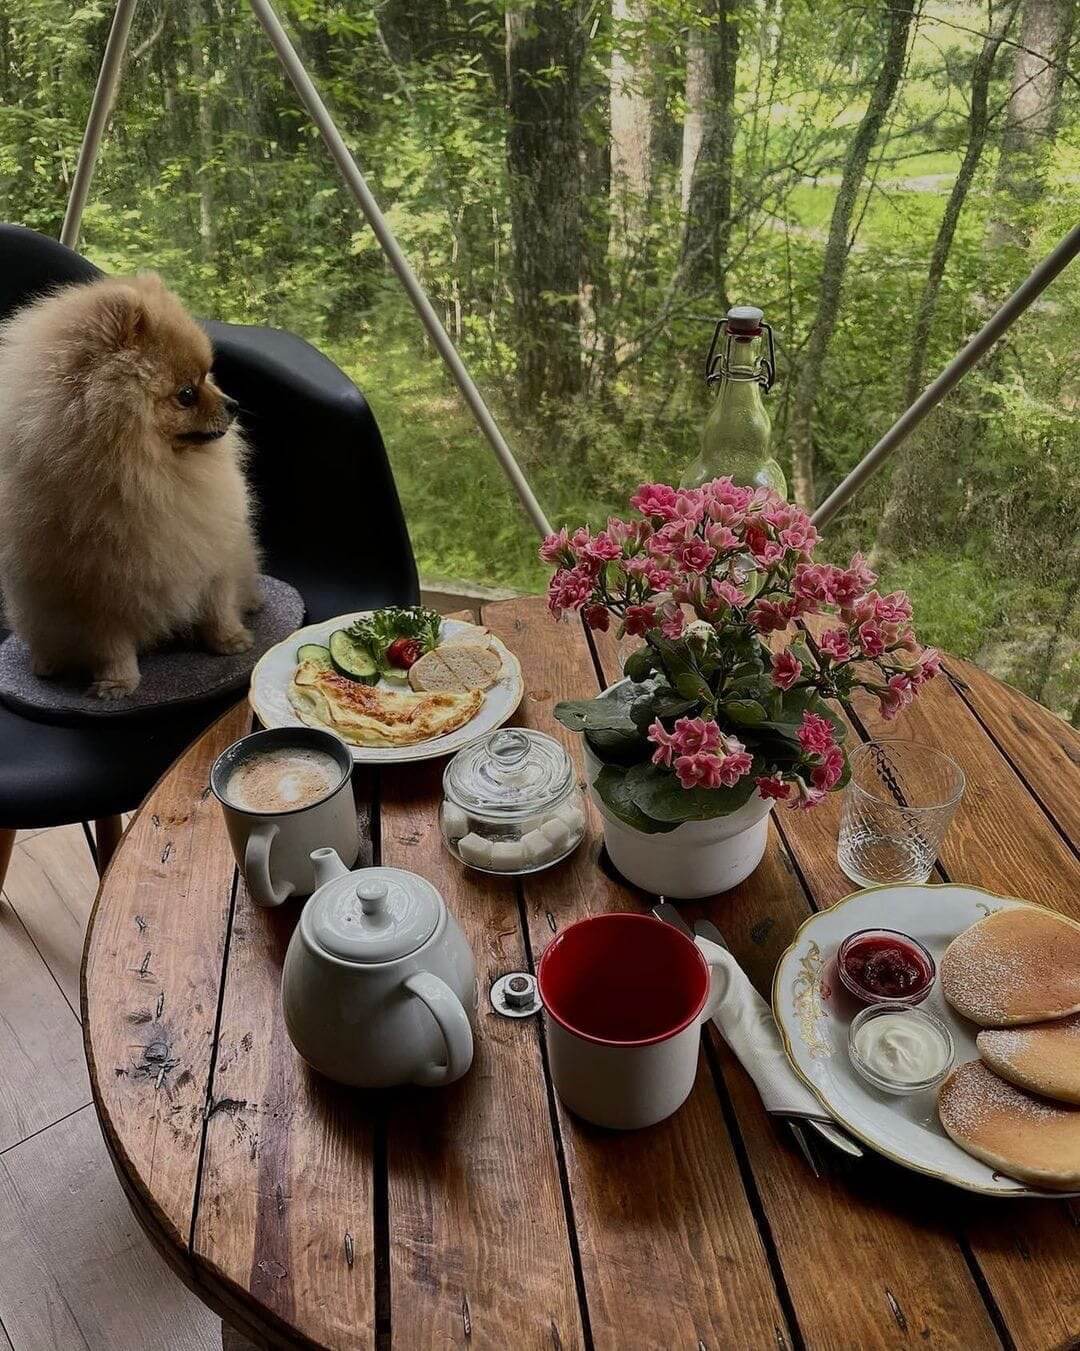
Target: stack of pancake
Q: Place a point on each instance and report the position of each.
(1016, 974)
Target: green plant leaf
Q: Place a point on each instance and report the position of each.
(658, 794)
(744, 712)
(611, 787)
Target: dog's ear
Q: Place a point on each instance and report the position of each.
(120, 318)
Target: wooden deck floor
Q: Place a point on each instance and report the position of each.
(77, 1273)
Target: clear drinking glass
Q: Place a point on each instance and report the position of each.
(897, 808)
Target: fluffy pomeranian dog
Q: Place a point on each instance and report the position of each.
(125, 518)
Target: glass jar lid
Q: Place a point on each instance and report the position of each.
(512, 774)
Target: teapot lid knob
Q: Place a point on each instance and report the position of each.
(372, 896)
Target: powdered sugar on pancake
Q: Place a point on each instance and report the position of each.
(1009, 1043)
(983, 979)
(972, 1094)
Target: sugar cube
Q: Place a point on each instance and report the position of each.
(455, 822)
(537, 848)
(476, 850)
(558, 833)
(507, 856)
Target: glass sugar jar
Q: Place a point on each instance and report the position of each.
(511, 803)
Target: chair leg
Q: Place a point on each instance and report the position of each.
(7, 844)
(107, 832)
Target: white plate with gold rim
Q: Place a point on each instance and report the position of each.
(273, 673)
(813, 1012)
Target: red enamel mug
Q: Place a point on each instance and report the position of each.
(625, 996)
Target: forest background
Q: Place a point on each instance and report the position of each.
(582, 187)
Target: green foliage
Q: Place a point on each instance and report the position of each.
(212, 174)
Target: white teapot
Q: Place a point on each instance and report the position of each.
(379, 982)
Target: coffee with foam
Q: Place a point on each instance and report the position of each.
(282, 780)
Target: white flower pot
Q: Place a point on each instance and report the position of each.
(698, 858)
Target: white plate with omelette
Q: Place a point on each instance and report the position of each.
(813, 1013)
(465, 717)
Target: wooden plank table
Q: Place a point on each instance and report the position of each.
(484, 1215)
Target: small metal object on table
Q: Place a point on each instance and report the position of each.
(484, 1215)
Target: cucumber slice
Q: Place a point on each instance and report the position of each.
(314, 652)
(352, 659)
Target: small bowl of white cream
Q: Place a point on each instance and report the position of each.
(900, 1048)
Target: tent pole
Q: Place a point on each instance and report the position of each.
(100, 108)
(356, 184)
(1028, 290)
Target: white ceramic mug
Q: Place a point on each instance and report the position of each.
(273, 849)
(625, 996)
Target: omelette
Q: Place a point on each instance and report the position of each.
(369, 716)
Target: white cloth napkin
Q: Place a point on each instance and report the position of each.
(747, 1025)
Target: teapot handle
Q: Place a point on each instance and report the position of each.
(445, 1007)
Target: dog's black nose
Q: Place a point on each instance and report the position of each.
(231, 406)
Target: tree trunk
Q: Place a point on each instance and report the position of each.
(1039, 65)
(544, 45)
(631, 107)
(897, 26)
(204, 126)
(699, 94)
(707, 223)
(902, 482)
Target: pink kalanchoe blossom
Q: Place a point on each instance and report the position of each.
(602, 548)
(689, 505)
(721, 492)
(737, 763)
(773, 786)
(770, 616)
(862, 571)
(896, 696)
(702, 770)
(835, 643)
(814, 582)
(664, 743)
(728, 592)
(816, 734)
(871, 639)
(691, 735)
(805, 797)
(779, 517)
(929, 666)
(786, 669)
(656, 500)
(722, 538)
(892, 609)
(827, 774)
(569, 589)
(556, 548)
(598, 617)
(673, 623)
(660, 579)
(639, 619)
(695, 556)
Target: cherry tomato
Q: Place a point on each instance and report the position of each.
(403, 653)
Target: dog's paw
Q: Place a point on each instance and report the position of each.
(113, 687)
(230, 642)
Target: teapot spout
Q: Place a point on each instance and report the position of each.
(327, 866)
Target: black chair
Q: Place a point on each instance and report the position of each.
(330, 522)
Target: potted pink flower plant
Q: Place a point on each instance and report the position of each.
(713, 723)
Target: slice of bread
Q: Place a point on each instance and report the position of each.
(456, 666)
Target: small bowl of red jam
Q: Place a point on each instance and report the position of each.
(882, 966)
